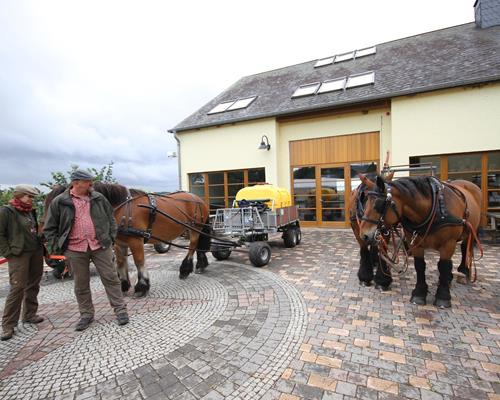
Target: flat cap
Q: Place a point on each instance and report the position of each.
(81, 175)
(27, 189)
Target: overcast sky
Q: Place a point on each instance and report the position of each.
(90, 82)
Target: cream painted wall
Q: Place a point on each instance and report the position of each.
(229, 147)
(344, 124)
(446, 121)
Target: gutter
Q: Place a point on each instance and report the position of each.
(298, 111)
(178, 158)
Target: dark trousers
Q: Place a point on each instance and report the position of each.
(103, 261)
(25, 274)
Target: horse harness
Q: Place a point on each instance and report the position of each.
(438, 216)
(126, 227)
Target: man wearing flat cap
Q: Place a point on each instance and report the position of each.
(21, 245)
(80, 224)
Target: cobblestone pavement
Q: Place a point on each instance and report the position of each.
(299, 328)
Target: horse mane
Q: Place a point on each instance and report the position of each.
(114, 193)
(411, 185)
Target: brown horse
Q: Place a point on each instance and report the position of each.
(369, 256)
(153, 218)
(434, 215)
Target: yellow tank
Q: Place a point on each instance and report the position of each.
(268, 193)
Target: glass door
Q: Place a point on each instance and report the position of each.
(304, 192)
(332, 194)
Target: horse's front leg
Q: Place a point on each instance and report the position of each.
(383, 276)
(419, 294)
(202, 242)
(122, 265)
(142, 286)
(365, 271)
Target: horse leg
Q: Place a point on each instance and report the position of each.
(142, 286)
(419, 294)
(463, 266)
(122, 266)
(383, 275)
(187, 265)
(443, 296)
(365, 271)
(203, 245)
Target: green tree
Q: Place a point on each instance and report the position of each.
(104, 174)
(5, 195)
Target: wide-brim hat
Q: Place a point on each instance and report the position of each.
(81, 175)
(27, 189)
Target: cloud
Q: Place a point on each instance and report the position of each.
(92, 82)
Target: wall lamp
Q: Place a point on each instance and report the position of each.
(263, 145)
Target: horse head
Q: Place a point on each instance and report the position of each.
(382, 209)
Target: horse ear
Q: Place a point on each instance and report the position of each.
(380, 184)
(368, 183)
(389, 176)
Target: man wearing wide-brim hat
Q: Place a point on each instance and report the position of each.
(21, 245)
(80, 224)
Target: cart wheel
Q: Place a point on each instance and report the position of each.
(290, 237)
(221, 253)
(260, 253)
(298, 234)
(162, 248)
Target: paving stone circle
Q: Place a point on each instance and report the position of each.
(253, 319)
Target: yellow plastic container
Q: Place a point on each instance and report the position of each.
(269, 193)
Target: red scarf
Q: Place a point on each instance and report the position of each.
(20, 206)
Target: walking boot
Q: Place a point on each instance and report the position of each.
(34, 320)
(122, 318)
(7, 334)
(83, 323)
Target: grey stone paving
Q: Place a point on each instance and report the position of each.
(300, 328)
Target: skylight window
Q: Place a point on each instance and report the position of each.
(306, 90)
(365, 52)
(324, 61)
(221, 107)
(361, 79)
(330, 86)
(232, 105)
(344, 57)
(241, 103)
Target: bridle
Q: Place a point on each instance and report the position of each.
(388, 203)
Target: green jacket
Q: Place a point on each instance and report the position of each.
(61, 215)
(11, 232)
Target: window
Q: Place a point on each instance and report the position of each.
(344, 57)
(218, 189)
(304, 192)
(306, 90)
(361, 79)
(324, 61)
(335, 84)
(242, 103)
(330, 86)
(365, 52)
(232, 105)
(481, 168)
(221, 107)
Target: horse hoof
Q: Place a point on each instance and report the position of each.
(383, 288)
(199, 271)
(365, 283)
(463, 270)
(181, 276)
(125, 286)
(417, 300)
(442, 303)
(138, 295)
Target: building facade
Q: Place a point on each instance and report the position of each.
(431, 98)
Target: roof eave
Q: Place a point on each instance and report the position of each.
(447, 85)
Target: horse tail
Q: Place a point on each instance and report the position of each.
(205, 238)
